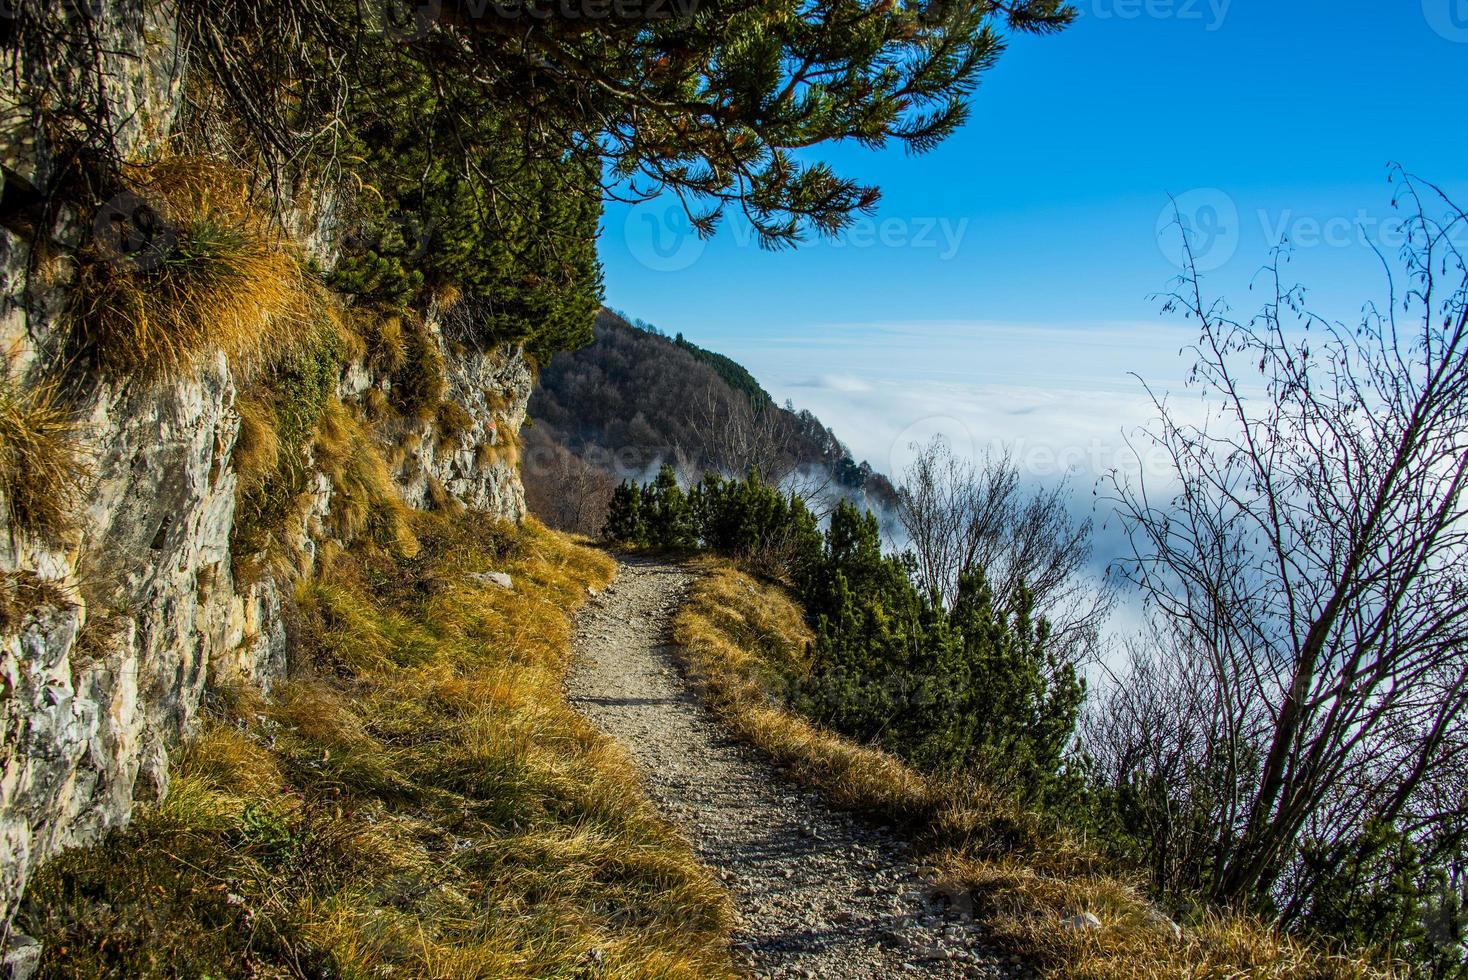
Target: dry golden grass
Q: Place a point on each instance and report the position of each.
(453, 421)
(742, 639)
(383, 333)
(222, 281)
(257, 447)
(417, 385)
(439, 497)
(739, 639)
(418, 801)
(42, 469)
(22, 593)
(375, 405)
(1022, 902)
(365, 502)
(504, 451)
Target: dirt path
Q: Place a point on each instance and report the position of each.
(819, 893)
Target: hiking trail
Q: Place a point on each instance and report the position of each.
(819, 893)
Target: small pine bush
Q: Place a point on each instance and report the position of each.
(624, 524)
(961, 690)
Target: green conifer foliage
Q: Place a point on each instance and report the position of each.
(625, 524)
(452, 197)
(961, 690)
(670, 518)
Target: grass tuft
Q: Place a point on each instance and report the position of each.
(257, 447)
(365, 502)
(22, 593)
(418, 382)
(215, 279)
(383, 331)
(42, 469)
(453, 421)
(417, 801)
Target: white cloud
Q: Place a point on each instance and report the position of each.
(1063, 400)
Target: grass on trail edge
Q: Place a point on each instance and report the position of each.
(743, 640)
(417, 800)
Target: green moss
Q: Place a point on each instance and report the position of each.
(296, 392)
(418, 385)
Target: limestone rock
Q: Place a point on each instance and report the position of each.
(21, 958)
(494, 578)
(96, 690)
(1160, 923)
(1081, 923)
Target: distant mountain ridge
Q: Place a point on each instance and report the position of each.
(635, 399)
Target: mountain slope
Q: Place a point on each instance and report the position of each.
(636, 399)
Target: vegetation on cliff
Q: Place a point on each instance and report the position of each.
(416, 799)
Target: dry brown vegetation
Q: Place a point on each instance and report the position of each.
(257, 447)
(42, 468)
(418, 800)
(203, 273)
(365, 501)
(742, 639)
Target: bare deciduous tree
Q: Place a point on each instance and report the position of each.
(562, 489)
(1309, 557)
(744, 437)
(961, 516)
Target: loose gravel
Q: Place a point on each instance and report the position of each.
(819, 893)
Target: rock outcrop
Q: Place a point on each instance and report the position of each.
(111, 636)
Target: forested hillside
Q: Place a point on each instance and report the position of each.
(636, 399)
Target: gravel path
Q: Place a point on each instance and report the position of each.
(819, 893)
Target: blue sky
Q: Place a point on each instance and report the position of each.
(1002, 294)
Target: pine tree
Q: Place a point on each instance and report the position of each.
(625, 523)
(720, 103)
(668, 515)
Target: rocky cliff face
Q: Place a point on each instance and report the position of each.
(111, 636)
